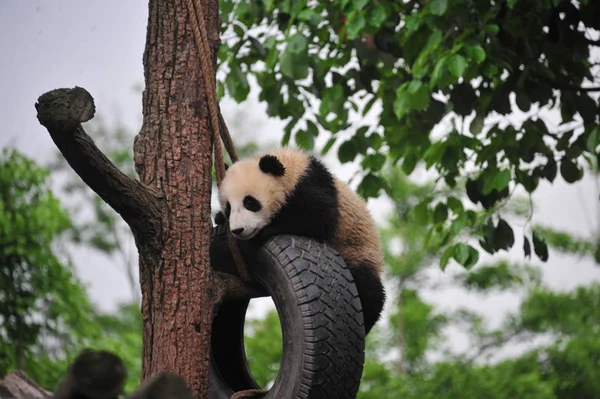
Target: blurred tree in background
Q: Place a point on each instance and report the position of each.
(43, 307)
(46, 316)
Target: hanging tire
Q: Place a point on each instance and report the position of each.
(321, 320)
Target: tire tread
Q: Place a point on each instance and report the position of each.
(332, 316)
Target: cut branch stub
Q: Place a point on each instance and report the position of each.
(62, 111)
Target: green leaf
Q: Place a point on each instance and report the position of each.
(414, 86)
(476, 53)
(445, 258)
(540, 247)
(347, 151)
(438, 7)
(492, 29)
(374, 162)
(526, 247)
(400, 104)
(294, 65)
(418, 95)
(488, 183)
(550, 170)
(328, 146)
(438, 71)
(357, 5)
(457, 65)
(472, 259)
(260, 49)
(370, 186)
(523, 101)
(434, 153)
(455, 204)
(440, 214)
(461, 253)
(312, 128)
(501, 179)
(569, 171)
(421, 213)
(409, 163)
(369, 105)
(237, 83)
(297, 43)
(504, 237)
(305, 140)
(477, 124)
(377, 15)
(272, 58)
(355, 24)
(593, 139)
(220, 90)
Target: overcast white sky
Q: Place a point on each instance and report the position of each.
(98, 45)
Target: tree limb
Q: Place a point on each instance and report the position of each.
(17, 385)
(62, 111)
(233, 287)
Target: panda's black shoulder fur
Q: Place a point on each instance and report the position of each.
(311, 208)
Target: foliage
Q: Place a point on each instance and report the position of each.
(571, 244)
(121, 332)
(46, 317)
(264, 345)
(42, 303)
(457, 67)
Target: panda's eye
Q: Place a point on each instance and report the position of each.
(227, 209)
(252, 204)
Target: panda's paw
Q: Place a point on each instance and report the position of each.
(220, 218)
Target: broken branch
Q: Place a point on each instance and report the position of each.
(62, 111)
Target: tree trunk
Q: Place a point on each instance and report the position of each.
(169, 210)
(173, 156)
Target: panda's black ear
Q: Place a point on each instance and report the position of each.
(270, 165)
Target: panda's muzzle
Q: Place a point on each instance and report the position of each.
(243, 234)
(237, 232)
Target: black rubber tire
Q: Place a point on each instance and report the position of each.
(321, 319)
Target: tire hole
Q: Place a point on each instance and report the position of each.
(263, 342)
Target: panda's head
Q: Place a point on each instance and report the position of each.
(254, 190)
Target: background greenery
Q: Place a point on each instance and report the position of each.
(401, 87)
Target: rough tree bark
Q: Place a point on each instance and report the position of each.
(169, 209)
(172, 154)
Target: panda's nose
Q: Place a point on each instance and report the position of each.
(237, 232)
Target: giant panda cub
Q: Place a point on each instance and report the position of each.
(288, 191)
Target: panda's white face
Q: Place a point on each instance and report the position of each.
(249, 198)
(246, 215)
